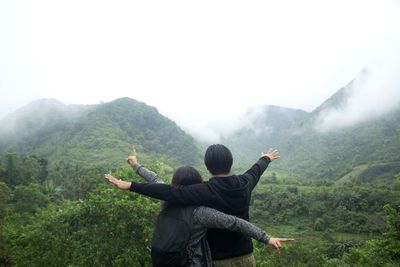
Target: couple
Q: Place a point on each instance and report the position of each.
(205, 205)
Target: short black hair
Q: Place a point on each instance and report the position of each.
(218, 159)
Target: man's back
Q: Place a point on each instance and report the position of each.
(236, 194)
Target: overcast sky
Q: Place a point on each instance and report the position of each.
(198, 62)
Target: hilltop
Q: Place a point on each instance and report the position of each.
(96, 135)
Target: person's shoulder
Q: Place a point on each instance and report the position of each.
(241, 176)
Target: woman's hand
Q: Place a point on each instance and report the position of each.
(272, 154)
(277, 242)
(131, 159)
(117, 182)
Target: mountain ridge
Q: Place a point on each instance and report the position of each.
(98, 135)
(79, 131)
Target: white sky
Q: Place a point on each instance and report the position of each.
(200, 63)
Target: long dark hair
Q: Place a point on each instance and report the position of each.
(185, 175)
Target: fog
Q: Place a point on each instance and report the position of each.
(374, 92)
(225, 126)
(202, 64)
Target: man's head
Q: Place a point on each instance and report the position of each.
(218, 159)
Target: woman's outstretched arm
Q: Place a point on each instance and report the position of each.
(211, 218)
(150, 176)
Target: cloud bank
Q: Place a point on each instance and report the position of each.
(373, 93)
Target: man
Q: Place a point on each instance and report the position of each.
(225, 192)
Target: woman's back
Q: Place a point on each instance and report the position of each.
(171, 238)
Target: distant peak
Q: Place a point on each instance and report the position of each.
(125, 99)
(128, 102)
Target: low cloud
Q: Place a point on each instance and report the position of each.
(373, 93)
(213, 130)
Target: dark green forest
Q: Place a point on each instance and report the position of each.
(336, 193)
(67, 216)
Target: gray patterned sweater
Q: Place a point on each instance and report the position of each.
(205, 218)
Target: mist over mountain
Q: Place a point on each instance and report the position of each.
(38, 118)
(263, 126)
(99, 135)
(317, 147)
(332, 154)
(373, 93)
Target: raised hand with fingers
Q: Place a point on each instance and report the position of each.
(131, 159)
(272, 154)
(277, 242)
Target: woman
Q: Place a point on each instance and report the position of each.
(202, 218)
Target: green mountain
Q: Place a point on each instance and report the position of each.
(100, 135)
(96, 135)
(331, 154)
(372, 146)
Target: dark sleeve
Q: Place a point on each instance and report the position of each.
(254, 173)
(211, 218)
(197, 194)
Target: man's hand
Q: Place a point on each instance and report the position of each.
(272, 154)
(117, 182)
(131, 159)
(277, 242)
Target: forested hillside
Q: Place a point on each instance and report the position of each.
(368, 151)
(336, 192)
(331, 154)
(97, 135)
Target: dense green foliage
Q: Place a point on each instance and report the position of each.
(107, 229)
(59, 220)
(72, 218)
(332, 224)
(352, 209)
(382, 251)
(378, 252)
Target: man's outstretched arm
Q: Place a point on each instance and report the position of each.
(254, 173)
(197, 194)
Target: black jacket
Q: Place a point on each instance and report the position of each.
(229, 194)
